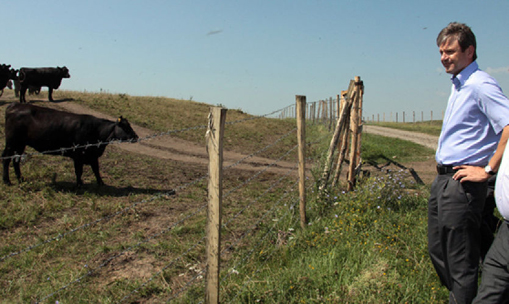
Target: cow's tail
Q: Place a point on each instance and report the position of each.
(21, 76)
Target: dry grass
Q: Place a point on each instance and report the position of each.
(152, 220)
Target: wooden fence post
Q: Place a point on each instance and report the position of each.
(343, 144)
(214, 138)
(338, 109)
(360, 94)
(314, 112)
(335, 138)
(330, 113)
(355, 124)
(301, 139)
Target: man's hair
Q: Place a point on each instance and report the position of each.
(462, 33)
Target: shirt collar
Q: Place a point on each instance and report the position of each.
(460, 79)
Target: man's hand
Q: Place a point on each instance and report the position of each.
(470, 174)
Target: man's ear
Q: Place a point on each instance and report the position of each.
(470, 51)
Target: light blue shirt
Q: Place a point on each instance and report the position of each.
(502, 186)
(476, 113)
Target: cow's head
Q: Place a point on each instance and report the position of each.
(13, 74)
(64, 72)
(124, 131)
(4, 67)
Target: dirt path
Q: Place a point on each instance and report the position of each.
(426, 140)
(167, 147)
(427, 169)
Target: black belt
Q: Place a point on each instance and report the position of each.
(443, 169)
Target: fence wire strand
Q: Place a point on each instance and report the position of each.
(95, 270)
(62, 150)
(107, 261)
(250, 253)
(134, 205)
(223, 225)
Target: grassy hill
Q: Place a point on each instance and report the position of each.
(140, 238)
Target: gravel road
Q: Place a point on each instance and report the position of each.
(426, 140)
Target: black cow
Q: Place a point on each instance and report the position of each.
(6, 73)
(41, 77)
(46, 130)
(31, 89)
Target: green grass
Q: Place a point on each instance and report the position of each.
(368, 246)
(365, 246)
(377, 149)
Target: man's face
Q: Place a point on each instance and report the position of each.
(453, 58)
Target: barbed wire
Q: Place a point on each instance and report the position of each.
(63, 150)
(257, 198)
(250, 252)
(188, 283)
(256, 117)
(260, 172)
(259, 244)
(92, 271)
(223, 225)
(182, 289)
(155, 197)
(107, 261)
(105, 218)
(252, 227)
(261, 150)
(163, 269)
(97, 269)
(199, 274)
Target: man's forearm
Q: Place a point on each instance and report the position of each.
(496, 159)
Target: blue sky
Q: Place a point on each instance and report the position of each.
(255, 55)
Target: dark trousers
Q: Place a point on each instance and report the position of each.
(495, 275)
(454, 237)
(489, 220)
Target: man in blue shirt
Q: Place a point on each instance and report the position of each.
(473, 138)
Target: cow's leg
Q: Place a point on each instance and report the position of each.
(8, 153)
(50, 93)
(6, 162)
(78, 169)
(22, 93)
(95, 168)
(17, 170)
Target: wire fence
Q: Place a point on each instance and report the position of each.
(404, 116)
(280, 197)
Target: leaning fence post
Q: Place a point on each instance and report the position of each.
(355, 125)
(214, 138)
(301, 139)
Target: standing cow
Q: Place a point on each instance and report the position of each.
(51, 130)
(8, 85)
(6, 74)
(31, 89)
(41, 77)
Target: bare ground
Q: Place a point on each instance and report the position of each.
(426, 170)
(167, 147)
